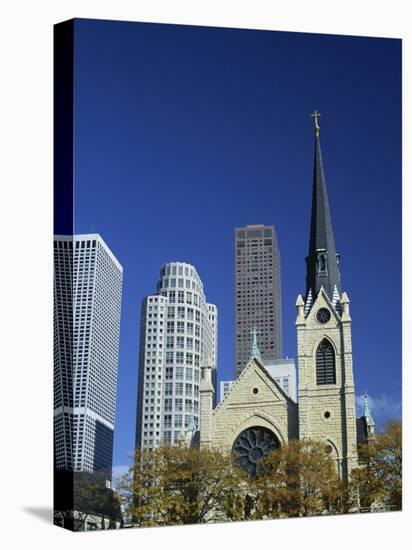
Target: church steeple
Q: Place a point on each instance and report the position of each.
(322, 262)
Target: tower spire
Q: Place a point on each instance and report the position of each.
(366, 409)
(322, 262)
(255, 348)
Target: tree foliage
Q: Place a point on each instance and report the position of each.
(179, 485)
(87, 495)
(379, 478)
(299, 479)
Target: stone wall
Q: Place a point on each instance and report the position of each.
(255, 399)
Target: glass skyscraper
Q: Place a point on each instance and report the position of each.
(257, 293)
(178, 335)
(87, 303)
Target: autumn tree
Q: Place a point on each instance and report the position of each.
(79, 495)
(180, 485)
(379, 477)
(298, 479)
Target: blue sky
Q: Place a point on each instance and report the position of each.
(184, 133)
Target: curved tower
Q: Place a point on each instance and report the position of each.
(178, 336)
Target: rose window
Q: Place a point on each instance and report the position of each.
(251, 446)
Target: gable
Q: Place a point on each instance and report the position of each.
(254, 388)
(322, 301)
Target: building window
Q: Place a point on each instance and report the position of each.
(325, 363)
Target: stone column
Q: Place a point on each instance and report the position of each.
(301, 360)
(206, 392)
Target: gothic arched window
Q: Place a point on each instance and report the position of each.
(325, 363)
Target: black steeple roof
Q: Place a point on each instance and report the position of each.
(322, 262)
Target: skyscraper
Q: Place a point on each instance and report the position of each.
(257, 294)
(87, 303)
(178, 334)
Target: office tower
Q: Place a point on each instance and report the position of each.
(87, 302)
(178, 334)
(257, 294)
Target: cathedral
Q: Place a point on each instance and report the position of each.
(257, 416)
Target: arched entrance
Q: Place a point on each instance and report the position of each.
(251, 446)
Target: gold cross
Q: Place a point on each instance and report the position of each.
(316, 115)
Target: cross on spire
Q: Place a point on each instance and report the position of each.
(316, 115)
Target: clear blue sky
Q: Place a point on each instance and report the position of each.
(183, 133)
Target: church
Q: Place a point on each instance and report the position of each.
(257, 416)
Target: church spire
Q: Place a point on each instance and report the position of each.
(255, 348)
(322, 262)
(366, 409)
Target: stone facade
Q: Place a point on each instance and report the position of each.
(324, 412)
(327, 411)
(254, 400)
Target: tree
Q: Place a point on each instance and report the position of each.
(179, 485)
(379, 479)
(299, 479)
(87, 495)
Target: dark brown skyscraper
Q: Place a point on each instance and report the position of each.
(258, 295)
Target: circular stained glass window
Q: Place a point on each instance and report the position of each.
(251, 446)
(323, 315)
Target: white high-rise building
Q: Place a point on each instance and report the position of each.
(87, 303)
(178, 335)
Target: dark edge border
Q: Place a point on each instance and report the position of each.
(63, 205)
